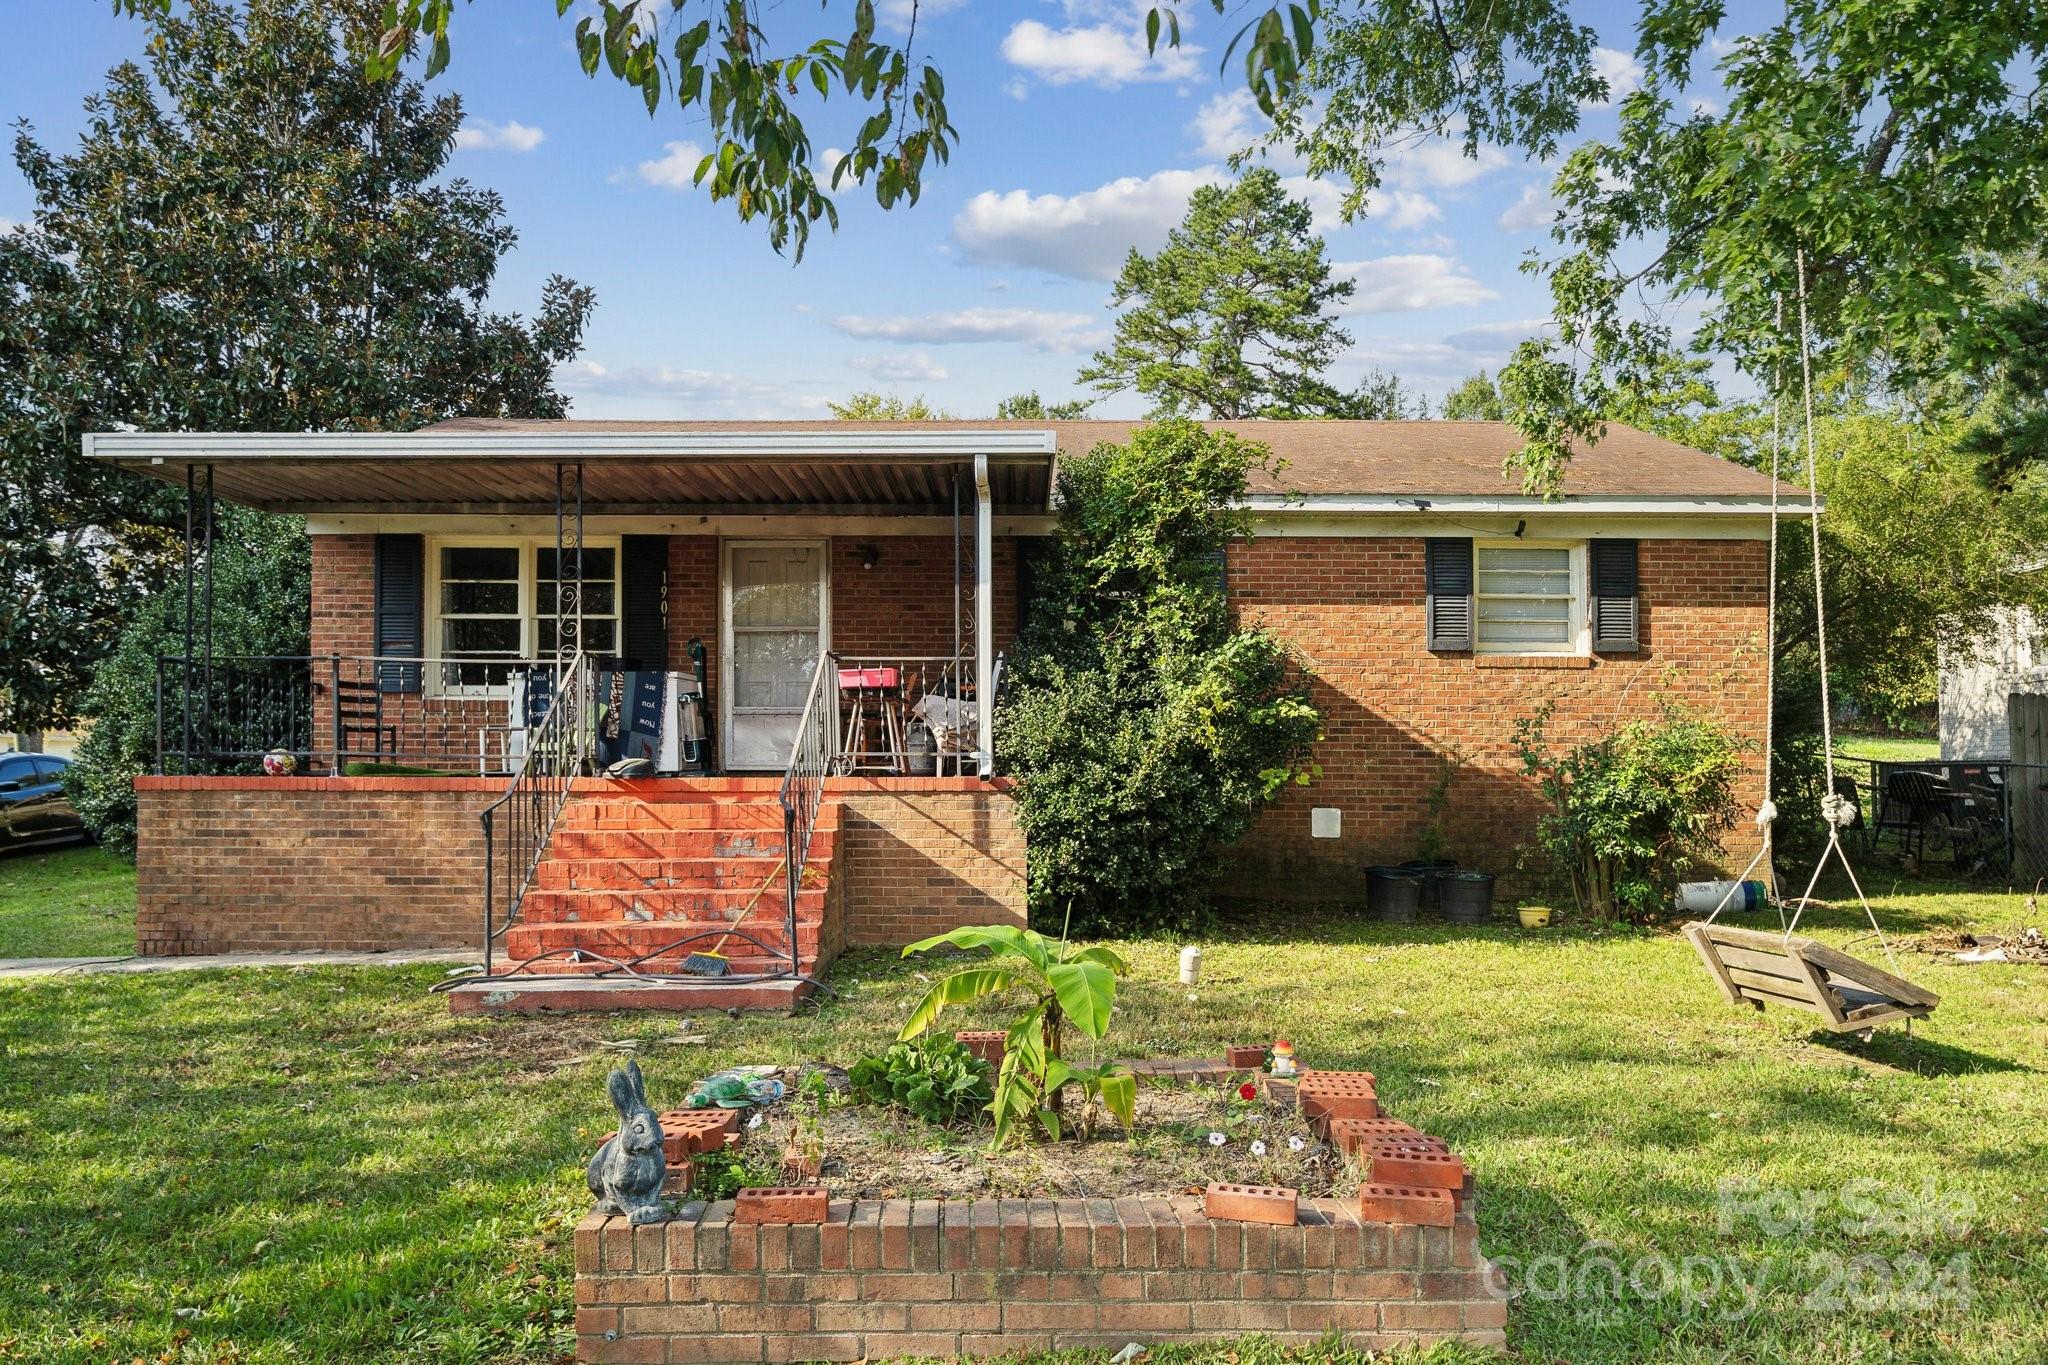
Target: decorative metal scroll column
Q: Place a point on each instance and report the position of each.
(568, 565)
(199, 518)
(984, 623)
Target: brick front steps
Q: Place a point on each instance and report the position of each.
(896, 1277)
(631, 871)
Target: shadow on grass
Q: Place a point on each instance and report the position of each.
(1894, 1050)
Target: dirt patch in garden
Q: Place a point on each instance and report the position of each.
(880, 1152)
(2013, 945)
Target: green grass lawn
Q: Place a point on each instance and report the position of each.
(1887, 748)
(77, 901)
(321, 1165)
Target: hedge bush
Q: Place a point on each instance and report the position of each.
(262, 587)
(1146, 729)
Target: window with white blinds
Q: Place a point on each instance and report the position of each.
(1529, 599)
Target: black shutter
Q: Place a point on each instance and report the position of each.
(399, 593)
(1614, 597)
(1447, 567)
(643, 602)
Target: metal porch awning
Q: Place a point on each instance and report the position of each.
(833, 468)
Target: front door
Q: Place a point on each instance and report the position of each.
(777, 623)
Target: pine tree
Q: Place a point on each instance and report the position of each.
(1234, 317)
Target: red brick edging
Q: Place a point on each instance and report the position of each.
(896, 1277)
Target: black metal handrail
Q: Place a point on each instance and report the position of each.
(812, 757)
(557, 753)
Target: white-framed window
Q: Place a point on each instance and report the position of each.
(491, 604)
(1529, 597)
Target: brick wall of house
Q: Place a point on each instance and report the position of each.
(918, 859)
(1394, 712)
(258, 865)
(951, 1278)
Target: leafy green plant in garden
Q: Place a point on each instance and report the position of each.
(1630, 812)
(1067, 983)
(723, 1173)
(934, 1078)
(1145, 728)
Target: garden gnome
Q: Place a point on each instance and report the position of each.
(1283, 1057)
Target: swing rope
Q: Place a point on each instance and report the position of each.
(1837, 812)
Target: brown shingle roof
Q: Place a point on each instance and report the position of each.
(1388, 458)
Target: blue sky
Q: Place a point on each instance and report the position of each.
(1074, 148)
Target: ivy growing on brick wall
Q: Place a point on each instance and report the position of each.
(1146, 727)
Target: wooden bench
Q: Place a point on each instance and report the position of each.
(1849, 995)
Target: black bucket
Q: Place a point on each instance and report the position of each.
(1468, 897)
(1393, 894)
(1433, 872)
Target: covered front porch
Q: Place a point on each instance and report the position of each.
(780, 645)
(725, 589)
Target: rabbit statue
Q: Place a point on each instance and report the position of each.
(627, 1173)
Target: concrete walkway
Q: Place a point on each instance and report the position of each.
(93, 966)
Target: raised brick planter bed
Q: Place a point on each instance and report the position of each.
(883, 1278)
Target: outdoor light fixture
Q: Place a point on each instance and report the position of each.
(868, 555)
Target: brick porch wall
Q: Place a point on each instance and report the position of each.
(1353, 607)
(952, 1278)
(250, 864)
(263, 865)
(919, 859)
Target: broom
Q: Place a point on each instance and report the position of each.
(713, 963)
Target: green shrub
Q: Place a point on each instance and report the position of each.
(1146, 730)
(934, 1078)
(1632, 812)
(262, 586)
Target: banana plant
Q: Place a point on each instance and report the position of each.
(1067, 984)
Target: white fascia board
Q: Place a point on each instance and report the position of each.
(143, 447)
(766, 527)
(1466, 504)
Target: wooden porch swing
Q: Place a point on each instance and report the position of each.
(1849, 995)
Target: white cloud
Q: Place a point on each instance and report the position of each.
(8, 225)
(1711, 108)
(1531, 212)
(1227, 124)
(680, 392)
(895, 14)
(482, 135)
(1017, 88)
(1499, 336)
(1106, 54)
(1622, 72)
(1085, 236)
(675, 169)
(1441, 163)
(902, 366)
(1050, 331)
(1395, 284)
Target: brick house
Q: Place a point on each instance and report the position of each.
(455, 570)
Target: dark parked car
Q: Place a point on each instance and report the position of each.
(33, 806)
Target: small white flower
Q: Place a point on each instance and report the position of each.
(1258, 1147)
(757, 1120)
(1215, 1138)
(1296, 1143)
